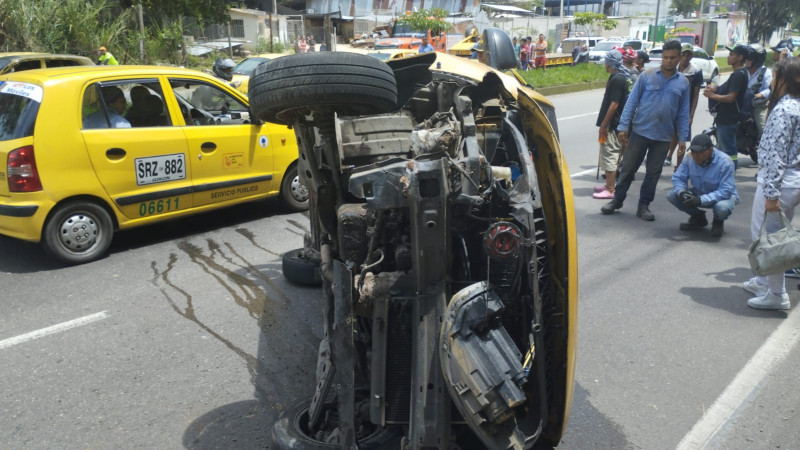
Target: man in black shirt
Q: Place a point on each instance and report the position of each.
(729, 98)
(614, 99)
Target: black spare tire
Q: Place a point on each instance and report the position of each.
(345, 83)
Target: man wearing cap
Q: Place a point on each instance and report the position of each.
(115, 103)
(695, 77)
(782, 49)
(727, 100)
(106, 58)
(706, 180)
(760, 78)
(641, 59)
(657, 107)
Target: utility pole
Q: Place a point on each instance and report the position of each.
(561, 10)
(141, 34)
(655, 26)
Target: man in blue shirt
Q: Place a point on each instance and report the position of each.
(425, 47)
(657, 107)
(710, 173)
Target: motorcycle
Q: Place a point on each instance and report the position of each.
(444, 239)
(747, 138)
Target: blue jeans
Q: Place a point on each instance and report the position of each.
(722, 209)
(638, 148)
(726, 141)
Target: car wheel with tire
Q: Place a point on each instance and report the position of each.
(294, 195)
(301, 268)
(78, 232)
(290, 432)
(345, 83)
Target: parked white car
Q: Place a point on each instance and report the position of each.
(568, 44)
(701, 60)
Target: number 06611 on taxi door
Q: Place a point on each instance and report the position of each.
(159, 169)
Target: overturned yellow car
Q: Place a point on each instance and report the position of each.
(443, 234)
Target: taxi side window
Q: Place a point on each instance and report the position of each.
(204, 104)
(27, 65)
(124, 105)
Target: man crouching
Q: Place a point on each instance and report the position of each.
(710, 173)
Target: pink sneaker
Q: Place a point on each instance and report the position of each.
(600, 188)
(605, 195)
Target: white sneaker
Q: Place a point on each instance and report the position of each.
(770, 301)
(752, 286)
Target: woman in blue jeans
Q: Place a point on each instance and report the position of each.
(779, 176)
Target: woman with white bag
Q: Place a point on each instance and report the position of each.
(779, 176)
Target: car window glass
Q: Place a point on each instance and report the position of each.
(17, 114)
(142, 105)
(636, 45)
(60, 63)
(204, 104)
(699, 53)
(27, 65)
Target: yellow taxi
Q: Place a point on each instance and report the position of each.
(389, 55)
(19, 61)
(85, 151)
(242, 71)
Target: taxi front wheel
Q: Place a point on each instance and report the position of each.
(77, 232)
(293, 194)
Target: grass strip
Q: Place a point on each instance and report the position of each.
(562, 75)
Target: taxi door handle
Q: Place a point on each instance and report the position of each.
(115, 153)
(208, 147)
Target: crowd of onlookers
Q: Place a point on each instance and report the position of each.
(530, 54)
(645, 113)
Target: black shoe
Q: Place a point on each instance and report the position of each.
(695, 223)
(644, 213)
(609, 207)
(717, 228)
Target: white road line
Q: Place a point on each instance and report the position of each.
(5, 343)
(585, 172)
(771, 353)
(579, 115)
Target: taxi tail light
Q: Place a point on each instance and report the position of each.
(22, 173)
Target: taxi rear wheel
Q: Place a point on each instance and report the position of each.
(294, 195)
(78, 232)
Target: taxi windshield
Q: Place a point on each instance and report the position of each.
(247, 66)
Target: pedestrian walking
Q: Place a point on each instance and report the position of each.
(727, 101)
(658, 106)
(704, 181)
(617, 88)
(778, 179)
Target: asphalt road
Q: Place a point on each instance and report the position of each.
(186, 335)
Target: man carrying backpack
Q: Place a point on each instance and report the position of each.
(727, 100)
(759, 84)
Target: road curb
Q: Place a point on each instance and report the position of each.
(568, 88)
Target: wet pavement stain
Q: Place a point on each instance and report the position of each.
(252, 297)
(250, 236)
(250, 268)
(254, 366)
(298, 225)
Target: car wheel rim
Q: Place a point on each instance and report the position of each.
(78, 232)
(299, 192)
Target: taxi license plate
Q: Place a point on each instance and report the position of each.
(159, 169)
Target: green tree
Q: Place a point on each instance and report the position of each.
(764, 16)
(427, 19)
(593, 19)
(206, 11)
(684, 7)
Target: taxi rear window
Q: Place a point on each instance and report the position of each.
(19, 105)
